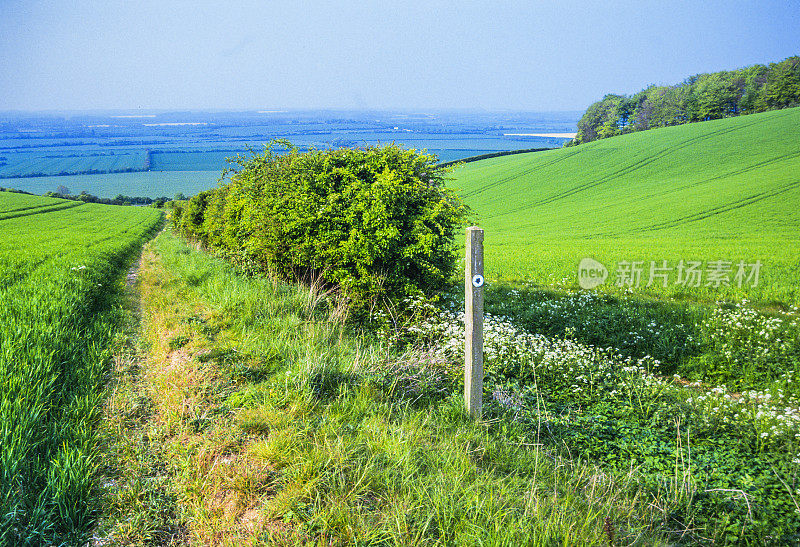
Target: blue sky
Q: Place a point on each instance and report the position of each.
(499, 55)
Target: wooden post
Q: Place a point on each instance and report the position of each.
(473, 321)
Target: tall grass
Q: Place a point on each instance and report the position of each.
(279, 425)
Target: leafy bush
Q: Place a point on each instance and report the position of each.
(376, 222)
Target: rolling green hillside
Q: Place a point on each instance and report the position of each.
(724, 190)
(60, 266)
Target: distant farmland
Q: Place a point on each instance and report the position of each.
(55, 162)
(725, 190)
(196, 144)
(148, 183)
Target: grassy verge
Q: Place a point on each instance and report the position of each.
(273, 423)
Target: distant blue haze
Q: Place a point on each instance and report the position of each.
(159, 153)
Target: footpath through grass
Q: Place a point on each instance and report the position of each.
(257, 417)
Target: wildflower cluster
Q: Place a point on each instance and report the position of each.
(743, 333)
(633, 327)
(563, 369)
(747, 347)
(771, 418)
(523, 366)
(626, 410)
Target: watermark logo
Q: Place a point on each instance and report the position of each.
(684, 273)
(591, 273)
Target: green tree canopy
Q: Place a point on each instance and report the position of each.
(700, 97)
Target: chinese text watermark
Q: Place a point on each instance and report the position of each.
(685, 273)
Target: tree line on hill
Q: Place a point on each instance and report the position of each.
(118, 200)
(702, 97)
(64, 193)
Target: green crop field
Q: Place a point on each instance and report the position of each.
(147, 183)
(725, 190)
(20, 164)
(60, 266)
(194, 160)
(16, 205)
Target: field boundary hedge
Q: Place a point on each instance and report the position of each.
(376, 223)
(492, 155)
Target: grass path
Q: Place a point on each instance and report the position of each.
(141, 504)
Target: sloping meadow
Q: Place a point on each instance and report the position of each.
(723, 192)
(60, 273)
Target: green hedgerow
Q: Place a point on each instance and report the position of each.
(376, 222)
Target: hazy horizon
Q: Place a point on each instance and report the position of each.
(266, 110)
